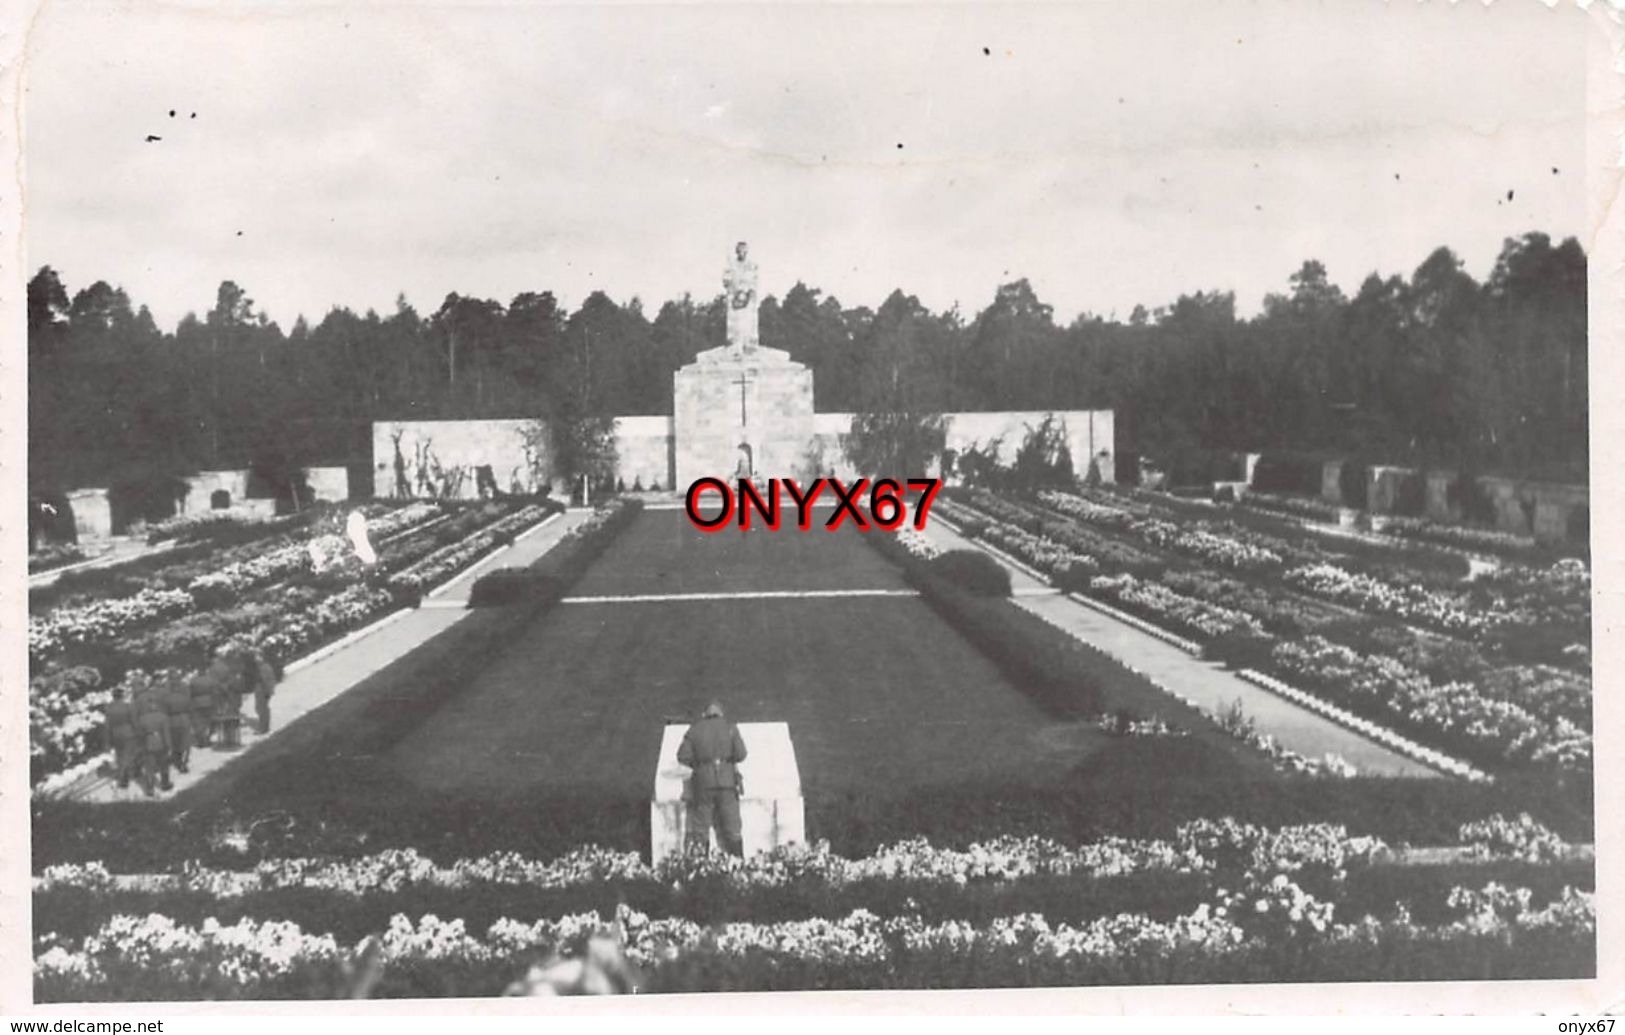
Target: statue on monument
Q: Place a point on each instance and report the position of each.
(739, 288)
(739, 282)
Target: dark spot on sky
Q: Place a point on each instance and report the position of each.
(899, 147)
(194, 114)
(172, 113)
(1554, 170)
(239, 233)
(1119, 100)
(1509, 195)
(153, 138)
(1396, 176)
(1258, 208)
(986, 52)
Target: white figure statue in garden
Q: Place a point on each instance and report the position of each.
(356, 529)
(739, 283)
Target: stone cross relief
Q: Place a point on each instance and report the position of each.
(743, 383)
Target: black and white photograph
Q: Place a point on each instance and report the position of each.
(633, 499)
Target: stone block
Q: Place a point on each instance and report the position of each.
(772, 810)
(331, 484)
(1383, 488)
(92, 513)
(1438, 506)
(1331, 481)
(202, 487)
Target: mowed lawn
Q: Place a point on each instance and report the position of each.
(663, 553)
(881, 696)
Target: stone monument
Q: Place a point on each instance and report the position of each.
(772, 811)
(740, 410)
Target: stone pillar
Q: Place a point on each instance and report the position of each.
(1510, 514)
(1551, 519)
(92, 513)
(1438, 506)
(1249, 464)
(1382, 488)
(1331, 481)
(772, 810)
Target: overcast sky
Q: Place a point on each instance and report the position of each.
(1114, 154)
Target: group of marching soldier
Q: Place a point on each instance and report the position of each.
(161, 720)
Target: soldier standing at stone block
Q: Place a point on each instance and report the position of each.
(121, 736)
(713, 749)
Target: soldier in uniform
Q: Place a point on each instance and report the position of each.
(712, 748)
(263, 678)
(225, 679)
(152, 724)
(203, 709)
(121, 735)
(177, 699)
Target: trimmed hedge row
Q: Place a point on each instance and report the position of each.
(973, 571)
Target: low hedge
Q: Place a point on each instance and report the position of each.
(506, 586)
(973, 571)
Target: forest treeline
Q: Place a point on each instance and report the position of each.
(1434, 367)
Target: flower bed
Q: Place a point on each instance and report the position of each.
(1164, 606)
(448, 560)
(1278, 612)
(1456, 715)
(916, 544)
(1267, 926)
(1462, 536)
(225, 576)
(1467, 704)
(1376, 731)
(54, 555)
(1307, 507)
(186, 527)
(283, 621)
(1410, 603)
